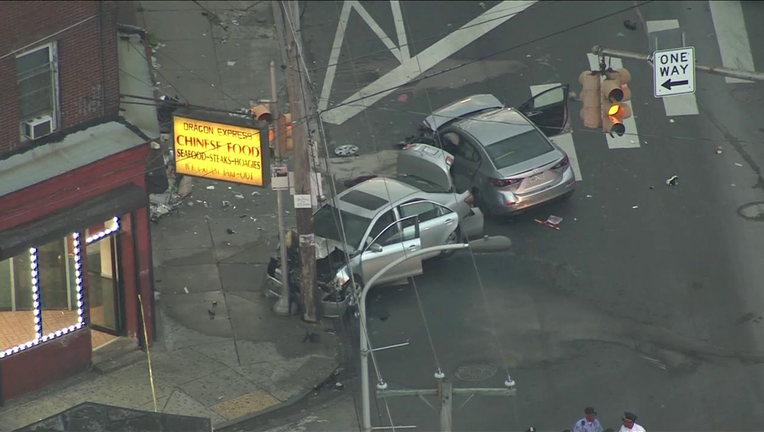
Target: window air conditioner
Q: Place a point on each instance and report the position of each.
(38, 127)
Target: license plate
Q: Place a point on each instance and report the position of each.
(537, 178)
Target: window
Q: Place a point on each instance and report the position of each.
(37, 82)
(424, 209)
(327, 226)
(383, 222)
(518, 149)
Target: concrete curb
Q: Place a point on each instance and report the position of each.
(286, 404)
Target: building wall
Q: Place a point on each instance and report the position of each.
(87, 60)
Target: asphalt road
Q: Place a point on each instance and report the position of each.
(648, 299)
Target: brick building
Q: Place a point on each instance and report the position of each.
(74, 224)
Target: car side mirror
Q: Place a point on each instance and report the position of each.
(375, 248)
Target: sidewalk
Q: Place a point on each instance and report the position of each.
(221, 353)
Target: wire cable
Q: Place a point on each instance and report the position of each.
(156, 70)
(479, 59)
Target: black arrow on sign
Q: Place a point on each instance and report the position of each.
(670, 83)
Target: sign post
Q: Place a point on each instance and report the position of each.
(674, 72)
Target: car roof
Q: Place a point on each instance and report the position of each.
(492, 126)
(367, 198)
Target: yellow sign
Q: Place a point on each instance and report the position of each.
(218, 151)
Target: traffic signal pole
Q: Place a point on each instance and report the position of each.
(302, 168)
(713, 70)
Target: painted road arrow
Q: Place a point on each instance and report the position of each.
(670, 83)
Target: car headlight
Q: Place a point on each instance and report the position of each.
(341, 278)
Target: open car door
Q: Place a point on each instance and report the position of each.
(549, 110)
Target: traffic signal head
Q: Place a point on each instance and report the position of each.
(261, 112)
(590, 99)
(615, 93)
(285, 133)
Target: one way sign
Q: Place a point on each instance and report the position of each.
(674, 71)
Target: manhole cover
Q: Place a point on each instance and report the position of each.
(475, 371)
(346, 150)
(753, 211)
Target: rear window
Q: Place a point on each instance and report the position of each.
(518, 149)
(422, 184)
(363, 200)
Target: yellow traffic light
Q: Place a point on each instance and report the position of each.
(261, 112)
(615, 93)
(590, 99)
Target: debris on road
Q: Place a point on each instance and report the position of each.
(554, 220)
(545, 223)
(239, 196)
(256, 193)
(346, 150)
(226, 204)
(719, 150)
(738, 164)
(671, 120)
(588, 196)
(230, 231)
(185, 289)
(635, 207)
(403, 98)
(210, 187)
(672, 181)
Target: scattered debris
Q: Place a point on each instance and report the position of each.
(631, 25)
(211, 313)
(528, 55)
(719, 150)
(339, 386)
(482, 5)
(619, 34)
(733, 184)
(403, 98)
(672, 181)
(226, 204)
(190, 203)
(738, 164)
(548, 224)
(254, 219)
(155, 145)
(311, 337)
(230, 231)
(635, 207)
(239, 196)
(554, 220)
(157, 295)
(215, 303)
(206, 204)
(210, 187)
(671, 120)
(185, 289)
(651, 188)
(231, 63)
(256, 193)
(588, 196)
(332, 331)
(242, 216)
(346, 150)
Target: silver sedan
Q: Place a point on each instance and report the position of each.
(505, 155)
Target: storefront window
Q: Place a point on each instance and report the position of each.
(103, 278)
(57, 285)
(41, 290)
(17, 325)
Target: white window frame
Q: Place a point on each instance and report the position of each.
(53, 59)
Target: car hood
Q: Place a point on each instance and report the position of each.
(426, 162)
(325, 246)
(461, 108)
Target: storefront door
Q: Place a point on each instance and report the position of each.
(104, 281)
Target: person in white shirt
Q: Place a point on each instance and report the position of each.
(630, 423)
(589, 423)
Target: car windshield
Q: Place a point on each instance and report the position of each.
(518, 149)
(324, 225)
(422, 184)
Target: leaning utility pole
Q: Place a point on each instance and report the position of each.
(302, 168)
(713, 70)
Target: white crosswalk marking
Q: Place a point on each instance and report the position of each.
(732, 36)
(630, 139)
(565, 141)
(674, 105)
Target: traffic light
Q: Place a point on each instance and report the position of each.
(285, 133)
(615, 94)
(591, 113)
(261, 112)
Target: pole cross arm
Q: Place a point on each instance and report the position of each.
(713, 70)
(486, 391)
(414, 392)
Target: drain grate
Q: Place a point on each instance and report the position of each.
(475, 371)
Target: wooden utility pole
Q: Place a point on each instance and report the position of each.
(302, 168)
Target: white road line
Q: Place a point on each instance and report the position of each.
(376, 29)
(400, 29)
(732, 36)
(565, 141)
(673, 105)
(428, 58)
(339, 37)
(630, 139)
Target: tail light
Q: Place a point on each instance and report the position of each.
(469, 200)
(562, 164)
(503, 182)
(408, 146)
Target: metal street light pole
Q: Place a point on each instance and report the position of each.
(486, 244)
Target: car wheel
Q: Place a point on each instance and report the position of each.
(454, 238)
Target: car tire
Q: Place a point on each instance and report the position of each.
(454, 238)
